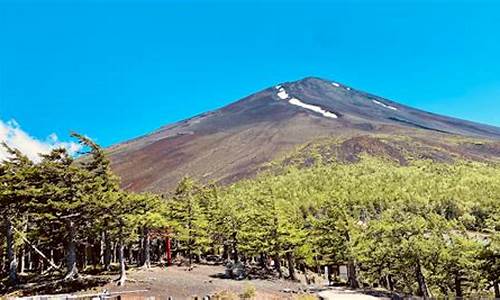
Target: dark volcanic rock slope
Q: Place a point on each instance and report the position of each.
(236, 140)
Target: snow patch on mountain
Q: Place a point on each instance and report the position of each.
(314, 108)
(283, 95)
(338, 85)
(384, 105)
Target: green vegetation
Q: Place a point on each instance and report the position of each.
(428, 229)
(249, 292)
(67, 212)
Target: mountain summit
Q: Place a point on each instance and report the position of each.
(235, 141)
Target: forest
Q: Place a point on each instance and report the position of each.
(426, 229)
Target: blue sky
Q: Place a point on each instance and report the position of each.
(117, 69)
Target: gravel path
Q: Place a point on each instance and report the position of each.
(345, 294)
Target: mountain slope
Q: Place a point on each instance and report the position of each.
(235, 141)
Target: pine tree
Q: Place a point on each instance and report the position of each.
(17, 174)
(64, 201)
(187, 219)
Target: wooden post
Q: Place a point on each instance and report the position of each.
(168, 250)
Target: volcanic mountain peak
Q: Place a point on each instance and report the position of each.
(353, 105)
(326, 90)
(234, 141)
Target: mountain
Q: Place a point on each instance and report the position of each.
(239, 139)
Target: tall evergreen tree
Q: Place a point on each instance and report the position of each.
(17, 174)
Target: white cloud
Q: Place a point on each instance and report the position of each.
(12, 134)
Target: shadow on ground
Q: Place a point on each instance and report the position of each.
(55, 286)
(251, 273)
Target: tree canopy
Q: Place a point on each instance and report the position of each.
(426, 228)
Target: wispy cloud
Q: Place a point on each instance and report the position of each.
(12, 134)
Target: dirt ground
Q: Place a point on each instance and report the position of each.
(181, 283)
(184, 283)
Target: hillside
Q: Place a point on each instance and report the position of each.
(235, 141)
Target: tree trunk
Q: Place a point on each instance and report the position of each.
(168, 251)
(51, 262)
(225, 252)
(277, 265)
(83, 257)
(352, 278)
(121, 257)
(101, 249)
(131, 256)
(11, 255)
(236, 256)
(30, 261)
(95, 251)
(72, 270)
(262, 261)
(114, 252)
(422, 286)
(496, 287)
(190, 232)
(146, 249)
(458, 285)
(107, 251)
(140, 252)
(328, 274)
(291, 269)
(23, 249)
(235, 247)
(22, 269)
(390, 284)
(3, 267)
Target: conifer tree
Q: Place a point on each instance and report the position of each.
(17, 174)
(64, 201)
(188, 220)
